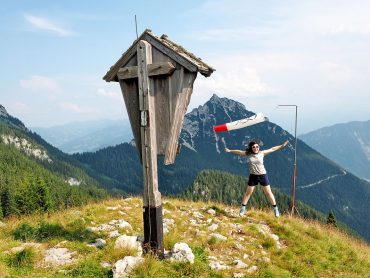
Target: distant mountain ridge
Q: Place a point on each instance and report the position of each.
(36, 177)
(89, 136)
(321, 183)
(348, 144)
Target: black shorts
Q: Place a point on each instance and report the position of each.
(258, 179)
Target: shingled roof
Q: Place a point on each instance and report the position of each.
(175, 51)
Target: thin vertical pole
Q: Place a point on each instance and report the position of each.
(137, 35)
(295, 162)
(295, 158)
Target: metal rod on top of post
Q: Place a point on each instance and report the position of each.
(293, 208)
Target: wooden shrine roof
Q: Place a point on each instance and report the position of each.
(173, 50)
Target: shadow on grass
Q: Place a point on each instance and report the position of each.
(47, 231)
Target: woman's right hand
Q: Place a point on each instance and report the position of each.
(227, 150)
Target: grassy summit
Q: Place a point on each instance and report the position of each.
(257, 245)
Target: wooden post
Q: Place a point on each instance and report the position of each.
(152, 205)
(156, 97)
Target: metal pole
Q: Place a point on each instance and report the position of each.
(295, 157)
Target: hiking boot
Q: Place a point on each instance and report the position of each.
(242, 211)
(276, 212)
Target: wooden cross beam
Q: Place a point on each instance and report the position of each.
(161, 68)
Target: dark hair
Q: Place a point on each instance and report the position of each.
(248, 150)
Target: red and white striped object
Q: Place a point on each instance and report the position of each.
(256, 119)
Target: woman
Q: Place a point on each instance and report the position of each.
(257, 173)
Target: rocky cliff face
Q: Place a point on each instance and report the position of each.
(25, 146)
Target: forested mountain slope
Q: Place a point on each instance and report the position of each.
(33, 175)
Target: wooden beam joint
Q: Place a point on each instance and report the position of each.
(157, 69)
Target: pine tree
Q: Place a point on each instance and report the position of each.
(331, 220)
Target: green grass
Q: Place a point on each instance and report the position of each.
(22, 259)
(310, 248)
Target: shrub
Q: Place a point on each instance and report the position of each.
(24, 258)
(24, 232)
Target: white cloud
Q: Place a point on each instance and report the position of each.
(46, 24)
(40, 83)
(231, 34)
(20, 107)
(336, 73)
(77, 108)
(236, 83)
(349, 29)
(109, 94)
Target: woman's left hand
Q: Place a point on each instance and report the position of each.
(285, 143)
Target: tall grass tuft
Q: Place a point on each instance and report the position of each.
(90, 268)
(22, 259)
(24, 232)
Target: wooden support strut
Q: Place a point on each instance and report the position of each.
(153, 224)
(161, 68)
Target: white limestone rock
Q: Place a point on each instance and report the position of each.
(99, 243)
(182, 252)
(123, 267)
(217, 266)
(218, 236)
(114, 233)
(252, 269)
(129, 242)
(23, 246)
(198, 215)
(213, 227)
(121, 224)
(211, 211)
(105, 228)
(58, 256)
(106, 265)
(167, 224)
(239, 264)
(113, 208)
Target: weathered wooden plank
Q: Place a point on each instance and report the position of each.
(161, 90)
(170, 53)
(160, 87)
(152, 197)
(127, 72)
(130, 94)
(111, 75)
(162, 68)
(181, 106)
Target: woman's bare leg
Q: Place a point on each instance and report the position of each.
(270, 196)
(248, 193)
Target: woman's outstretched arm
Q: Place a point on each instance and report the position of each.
(276, 148)
(239, 152)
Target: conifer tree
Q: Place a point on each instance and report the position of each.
(331, 220)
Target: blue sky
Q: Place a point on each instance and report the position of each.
(314, 54)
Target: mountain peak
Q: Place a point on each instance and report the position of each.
(214, 98)
(3, 112)
(225, 102)
(9, 119)
(199, 122)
